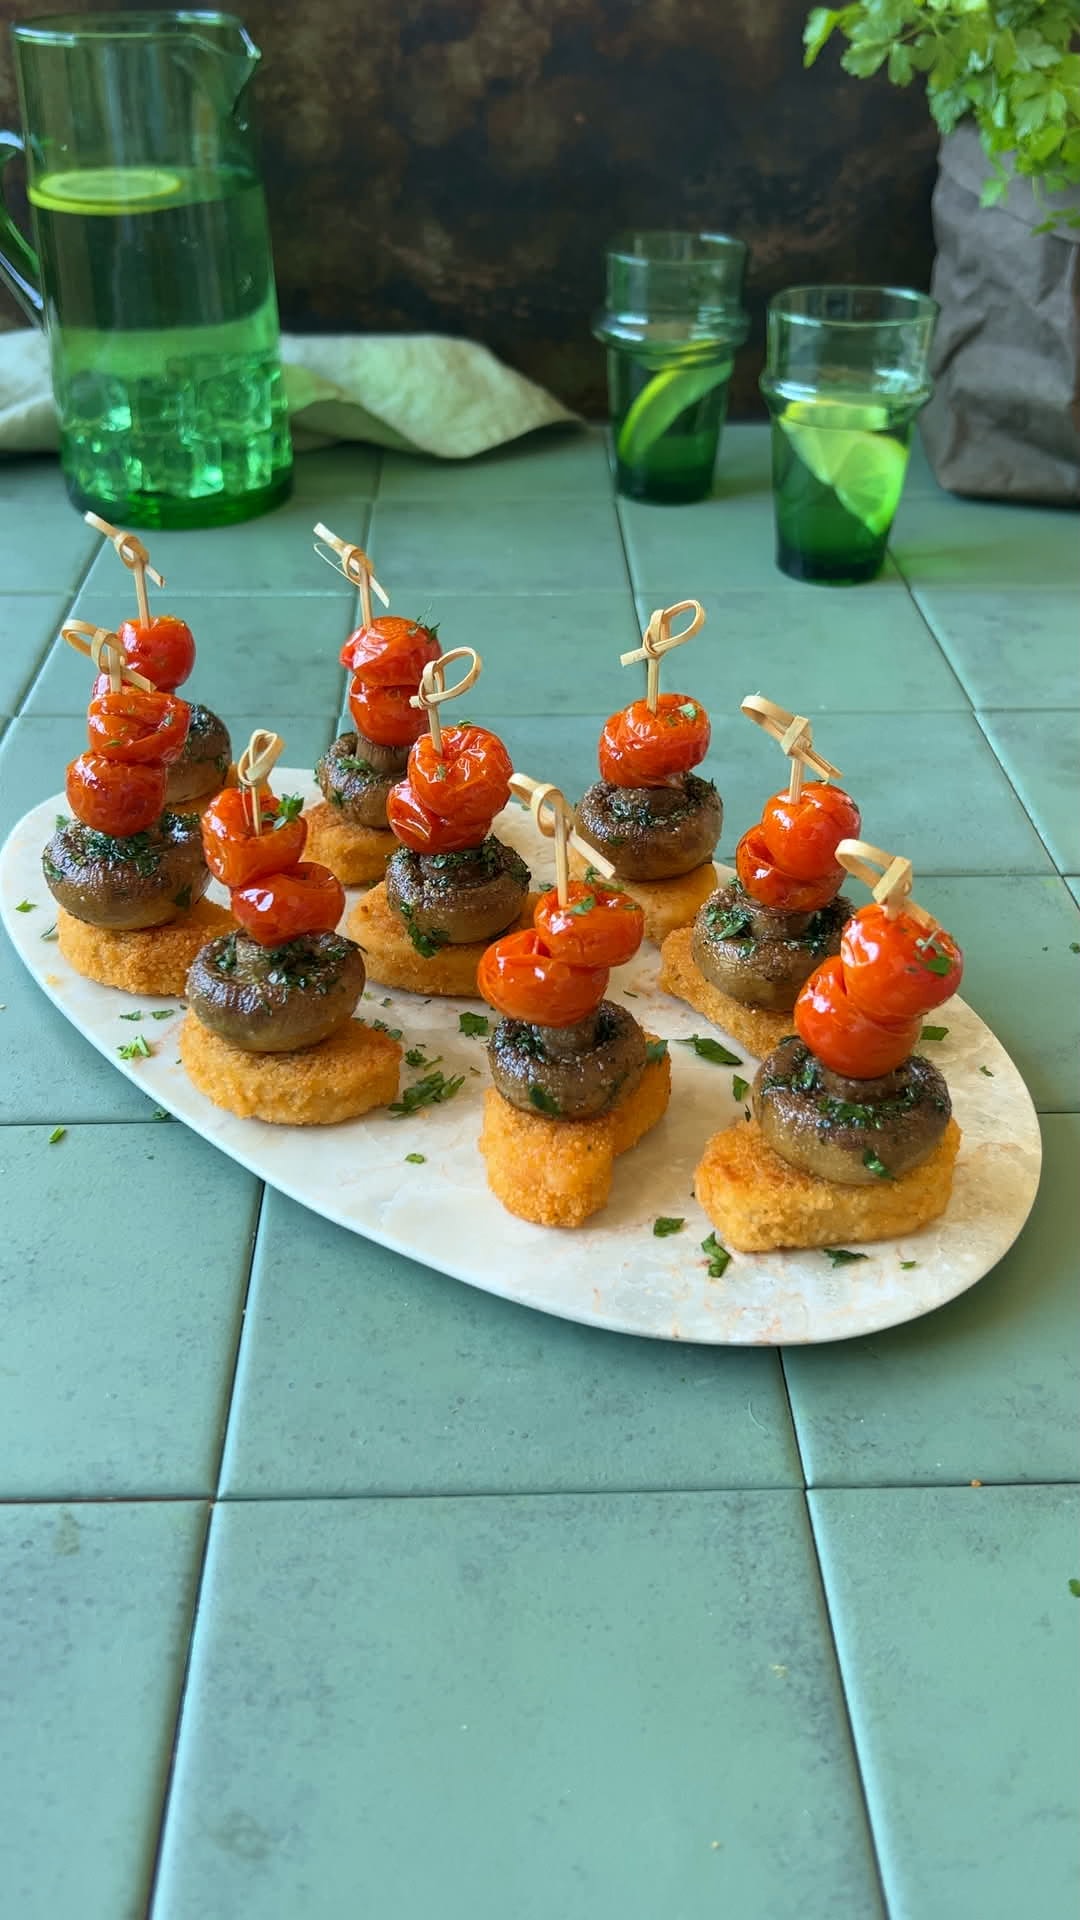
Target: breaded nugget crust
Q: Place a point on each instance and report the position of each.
(355, 854)
(666, 904)
(558, 1172)
(392, 960)
(148, 960)
(346, 1075)
(757, 1202)
(758, 1029)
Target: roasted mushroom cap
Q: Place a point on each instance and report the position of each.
(141, 880)
(457, 897)
(853, 1131)
(204, 763)
(758, 955)
(356, 776)
(276, 999)
(568, 1072)
(653, 833)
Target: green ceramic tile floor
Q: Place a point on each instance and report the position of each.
(330, 1587)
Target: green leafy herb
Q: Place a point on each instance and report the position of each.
(50, 933)
(739, 1086)
(137, 1049)
(431, 1091)
(728, 923)
(26, 906)
(988, 1072)
(290, 807)
(667, 1224)
(655, 1049)
(933, 1033)
(62, 819)
(427, 941)
(182, 899)
(137, 1015)
(718, 1257)
(933, 960)
(163, 1013)
(689, 709)
(584, 905)
(707, 1049)
(908, 1264)
(1074, 946)
(349, 763)
(385, 1001)
(874, 1165)
(541, 1099)
(415, 1159)
(1074, 1589)
(392, 1033)
(225, 957)
(415, 1057)
(160, 1113)
(475, 1025)
(841, 1256)
(56, 1134)
(627, 995)
(805, 1077)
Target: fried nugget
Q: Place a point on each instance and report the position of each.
(147, 960)
(758, 1029)
(758, 1203)
(558, 1172)
(355, 854)
(666, 904)
(345, 1075)
(393, 961)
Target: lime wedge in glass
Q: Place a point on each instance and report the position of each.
(106, 190)
(846, 448)
(660, 403)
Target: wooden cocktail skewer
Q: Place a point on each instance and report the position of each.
(891, 886)
(134, 556)
(104, 649)
(433, 689)
(658, 639)
(254, 767)
(554, 819)
(353, 562)
(795, 735)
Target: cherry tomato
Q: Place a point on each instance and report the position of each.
(639, 748)
(894, 969)
(391, 652)
(162, 648)
(467, 780)
(841, 1035)
(417, 827)
(235, 854)
(766, 883)
(520, 977)
(802, 835)
(598, 927)
(114, 798)
(134, 727)
(383, 714)
(306, 898)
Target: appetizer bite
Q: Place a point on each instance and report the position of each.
(577, 1081)
(269, 1032)
(758, 938)
(127, 873)
(161, 648)
(649, 814)
(451, 886)
(386, 656)
(851, 1135)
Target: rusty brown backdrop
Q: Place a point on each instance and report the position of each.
(456, 165)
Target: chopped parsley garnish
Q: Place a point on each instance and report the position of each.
(431, 1091)
(225, 957)
(62, 819)
(415, 1159)
(137, 1015)
(50, 933)
(908, 1264)
(1074, 946)
(475, 1025)
(841, 1256)
(655, 1049)
(392, 1033)
(415, 1057)
(728, 923)
(137, 1049)
(541, 1099)
(805, 1077)
(627, 995)
(739, 1087)
(666, 1224)
(56, 1134)
(427, 941)
(26, 906)
(182, 899)
(1074, 1589)
(583, 906)
(989, 1072)
(707, 1049)
(689, 709)
(290, 807)
(933, 1033)
(874, 1165)
(163, 1013)
(933, 961)
(718, 1257)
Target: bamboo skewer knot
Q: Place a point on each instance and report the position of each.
(658, 639)
(254, 767)
(554, 818)
(891, 886)
(103, 647)
(433, 690)
(794, 734)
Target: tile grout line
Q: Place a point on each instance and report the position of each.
(977, 713)
(20, 705)
(939, 649)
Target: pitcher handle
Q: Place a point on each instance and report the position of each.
(20, 268)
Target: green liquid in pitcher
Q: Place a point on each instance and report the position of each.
(167, 381)
(838, 473)
(667, 410)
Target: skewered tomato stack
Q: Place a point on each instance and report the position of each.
(451, 792)
(162, 649)
(275, 895)
(861, 1013)
(118, 786)
(386, 659)
(788, 862)
(556, 974)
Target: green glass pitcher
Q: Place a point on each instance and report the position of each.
(152, 270)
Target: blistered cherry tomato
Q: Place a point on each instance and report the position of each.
(417, 827)
(895, 969)
(841, 1035)
(383, 714)
(468, 779)
(391, 652)
(802, 835)
(133, 726)
(306, 898)
(639, 748)
(114, 798)
(766, 883)
(162, 648)
(235, 853)
(598, 927)
(520, 977)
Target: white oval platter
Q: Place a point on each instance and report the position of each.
(615, 1272)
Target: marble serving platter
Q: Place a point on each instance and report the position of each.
(614, 1272)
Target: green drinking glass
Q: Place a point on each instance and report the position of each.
(151, 267)
(672, 322)
(845, 375)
